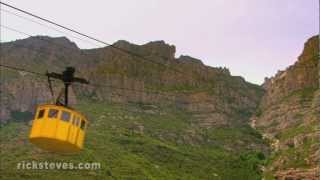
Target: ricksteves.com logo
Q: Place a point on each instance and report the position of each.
(45, 165)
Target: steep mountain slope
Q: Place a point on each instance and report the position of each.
(212, 94)
(289, 115)
(132, 142)
(196, 128)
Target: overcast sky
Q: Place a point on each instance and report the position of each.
(253, 38)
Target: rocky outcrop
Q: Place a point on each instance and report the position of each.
(303, 74)
(297, 174)
(286, 108)
(211, 95)
(289, 116)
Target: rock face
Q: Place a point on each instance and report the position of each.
(289, 115)
(286, 108)
(212, 95)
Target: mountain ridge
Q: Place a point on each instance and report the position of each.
(112, 66)
(289, 116)
(194, 128)
(206, 109)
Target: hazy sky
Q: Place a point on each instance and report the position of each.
(253, 38)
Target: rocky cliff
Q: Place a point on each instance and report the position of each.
(179, 120)
(285, 109)
(214, 96)
(289, 116)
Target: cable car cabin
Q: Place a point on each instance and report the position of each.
(58, 129)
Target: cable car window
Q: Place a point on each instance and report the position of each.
(83, 124)
(65, 116)
(41, 113)
(53, 113)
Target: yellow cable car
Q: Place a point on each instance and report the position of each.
(57, 127)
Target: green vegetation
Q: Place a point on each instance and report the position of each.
(234, 137)
(268, 175)
(305, 94)
(21, 116)
(179, 88)
(258, 112)
(294, 131)
(293, 157)
(135, 142)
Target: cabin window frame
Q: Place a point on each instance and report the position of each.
(55, 116)
(65, 114)
(83, 124)
(73, 120)
(41, 113)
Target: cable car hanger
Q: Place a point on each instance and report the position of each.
(68, 78)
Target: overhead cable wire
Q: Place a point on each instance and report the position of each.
(48, 27)
(66, 47)
(48, 41)
(22, 70)
(42, 39)
(93, 38)
(93, 85)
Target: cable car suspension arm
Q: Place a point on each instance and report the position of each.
(68, 78)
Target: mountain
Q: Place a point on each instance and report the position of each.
(178, 120)
(212, 94)
(289, 116)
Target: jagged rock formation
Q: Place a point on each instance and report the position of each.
(196, 128)
(214, 96)
(289, 115)
(286, 107)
